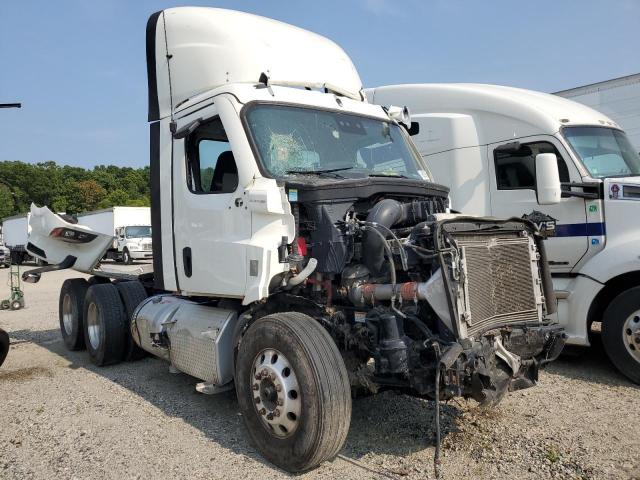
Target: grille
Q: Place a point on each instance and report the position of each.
(146, 246)
(500, 281)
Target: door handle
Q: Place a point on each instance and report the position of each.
(187, 262)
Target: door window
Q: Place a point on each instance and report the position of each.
(516, 169)
(211, 166)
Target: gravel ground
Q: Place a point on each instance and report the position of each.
(61, 417)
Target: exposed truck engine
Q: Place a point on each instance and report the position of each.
(302, 253)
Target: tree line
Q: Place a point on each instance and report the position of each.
(70, 189)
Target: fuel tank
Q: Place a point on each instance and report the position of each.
(197, 338)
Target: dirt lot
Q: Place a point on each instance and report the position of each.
(61, 417)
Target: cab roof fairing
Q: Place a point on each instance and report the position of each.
(191, 50)
(543, 113)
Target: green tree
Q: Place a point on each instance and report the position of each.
(7, 205)
(88, 194)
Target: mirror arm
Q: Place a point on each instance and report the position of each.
(587, 195)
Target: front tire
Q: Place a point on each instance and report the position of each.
(293, 390)
(105, 320)
(71, 312)
(621, 333)
(126, 257)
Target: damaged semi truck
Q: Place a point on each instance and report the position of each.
(301, 250)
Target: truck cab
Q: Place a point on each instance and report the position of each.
(483, 141)
(302, 252)
(133, 242)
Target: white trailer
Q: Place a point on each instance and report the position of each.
(15, 236)
(130, 227)
(483, 141)
(618, 98)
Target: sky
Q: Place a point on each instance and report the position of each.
(79, 68)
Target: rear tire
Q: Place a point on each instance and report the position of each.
(132, 294)
(104, 332)
(621, 333)
(71, 312)
(16, 305)
(312, 381)
(4, 345)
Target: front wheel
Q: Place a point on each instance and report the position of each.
(126, 257)
(621, 333)
(293, 390)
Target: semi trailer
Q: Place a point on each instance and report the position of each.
(483, 141)
(130, 228)
(302, 252)
(15, 237)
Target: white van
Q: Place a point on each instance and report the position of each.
(482, 141)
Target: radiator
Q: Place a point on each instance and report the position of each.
(500, 281)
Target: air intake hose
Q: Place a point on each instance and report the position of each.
(387, 212)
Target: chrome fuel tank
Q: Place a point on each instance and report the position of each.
(196, 338)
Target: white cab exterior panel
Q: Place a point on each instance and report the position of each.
(205, 48)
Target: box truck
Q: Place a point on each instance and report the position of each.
(15, 237)
(484, 140)
(301, 249)
(130, 227)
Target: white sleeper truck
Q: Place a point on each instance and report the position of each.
(130, 227)
(302, 251)
(484, 141)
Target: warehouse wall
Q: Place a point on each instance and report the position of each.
(618, 98)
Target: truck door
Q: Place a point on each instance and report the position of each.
(513, 193)
(210, 224)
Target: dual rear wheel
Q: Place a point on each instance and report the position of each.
(96, 315)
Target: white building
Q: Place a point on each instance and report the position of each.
(618, 98)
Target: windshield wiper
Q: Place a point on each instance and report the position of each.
(320, 172)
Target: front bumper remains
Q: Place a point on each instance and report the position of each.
(504, 360)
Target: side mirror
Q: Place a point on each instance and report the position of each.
(547, 179)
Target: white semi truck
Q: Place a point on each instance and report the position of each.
(301, 249)
(483, 140)
(130, 227)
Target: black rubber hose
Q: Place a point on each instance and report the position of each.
(547, 282)
(436, 457)
(387, 213)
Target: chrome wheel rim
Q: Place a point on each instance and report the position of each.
(631, 335)
(93, 326)
(276, 393)
(67, 314)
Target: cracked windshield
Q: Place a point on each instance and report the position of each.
(306, 141)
